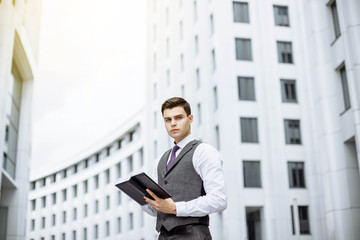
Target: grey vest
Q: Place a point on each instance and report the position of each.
(183, 183)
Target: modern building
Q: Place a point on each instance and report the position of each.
(78, 199)
(19, 33)
(273, 85)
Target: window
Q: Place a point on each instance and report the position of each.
(254, 222)
(107, 229)
(211, 24)
(217, 136)
(64, 217)
(64, 195)
(243, 49)
(182, 62)
(96, 206)
(119, 225)
(292, 131)
(119, 143)
(107, 203)
(75, 168)
(96, 231)
(196, 44)
(53, 178)
(43, 222)
(53, 220)
(215, 98)
(154, 33)
(108, 150)
(288, 90)
(249, 132)
(130, 163)
(63, 236)
(252, 174)
(96, 181)
(181, 30)
(183, 90)
(345, 88)
(213, 57)
(296, 174)
(141, 156)
(74, 235)
(74, 214)
(281, 16)
(195, 11)
(86, 188)
(107, 176)
(85, 233)
(241, 12)
(199, 112)
(85, 210)
(167, 47)
(246, 88)
(43, 201)
(304, 220)
(33, 204)
(75, 191)
(6, 134)
(53, 196)
(167, 16)
(131, 221)
(285, 52)
(155, 149)
(118, 170)
(155, 118)
(198, 78)
(32, 224)
(335, 18)
(168, 77)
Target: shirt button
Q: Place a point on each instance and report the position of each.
(166, 182)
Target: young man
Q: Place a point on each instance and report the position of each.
(192, 173)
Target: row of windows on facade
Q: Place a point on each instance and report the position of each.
(85, 184)
(243, 52)
(241, 15)
(96, 232)
(254, 218)
(97, 157)
(281, 15)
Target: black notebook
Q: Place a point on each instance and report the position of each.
(136, 187)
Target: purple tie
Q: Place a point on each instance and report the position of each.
(172, 158)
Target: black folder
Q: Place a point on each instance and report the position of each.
(136, 187)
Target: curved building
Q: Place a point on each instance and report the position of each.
(19, 35)
(79, 200)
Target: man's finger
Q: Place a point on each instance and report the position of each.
(152, 194)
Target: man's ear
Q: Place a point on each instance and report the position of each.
(191, 117)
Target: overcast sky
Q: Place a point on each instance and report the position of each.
(91, 67)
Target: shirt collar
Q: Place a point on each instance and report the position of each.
(185, 141)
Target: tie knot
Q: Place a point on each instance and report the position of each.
(175, 148)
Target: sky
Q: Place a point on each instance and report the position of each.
(91, 67)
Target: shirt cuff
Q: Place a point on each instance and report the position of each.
(180, 209)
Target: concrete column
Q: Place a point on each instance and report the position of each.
(7, 31)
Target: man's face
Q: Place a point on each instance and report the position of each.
(177, 123)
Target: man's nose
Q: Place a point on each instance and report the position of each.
(173, 122)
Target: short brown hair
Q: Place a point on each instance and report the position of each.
(176, 102)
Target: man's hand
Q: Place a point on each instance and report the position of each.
(163, 205)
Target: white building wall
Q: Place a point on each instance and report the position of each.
(331, 167)
(19, 31)
(131, 147)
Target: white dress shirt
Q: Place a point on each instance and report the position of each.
(207, 163)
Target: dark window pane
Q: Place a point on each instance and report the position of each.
(249, 132)
(252, 174)
(345, 88)
(288, 90)
(335, 18)
(243, 49)
(292, 131)
(246, 88)
(296, 174)
(241, 12)
(304, 220)
(281, 16)
(284, 52)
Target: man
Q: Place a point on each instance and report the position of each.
(192, 173)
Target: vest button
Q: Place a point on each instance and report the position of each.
(166, 182)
